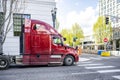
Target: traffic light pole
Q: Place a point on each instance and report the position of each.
(114, 40)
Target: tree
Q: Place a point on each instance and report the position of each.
(68, 35)
(101, 30)
(7, 8)
(77, 33)
(74, 32)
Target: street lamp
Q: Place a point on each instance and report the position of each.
(53, 12)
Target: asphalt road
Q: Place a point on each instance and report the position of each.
(90, 67)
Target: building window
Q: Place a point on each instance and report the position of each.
(18, 21)
(1, 20)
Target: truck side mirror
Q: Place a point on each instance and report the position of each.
(64, 39)
(34, 27)
(62, 44)
(54, 37)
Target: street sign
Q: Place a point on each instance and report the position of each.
(105, 40)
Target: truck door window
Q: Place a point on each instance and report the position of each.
(57, 40)
(39, 27)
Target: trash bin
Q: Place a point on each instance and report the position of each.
(100, 51)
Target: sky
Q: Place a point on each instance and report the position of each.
(83, 12)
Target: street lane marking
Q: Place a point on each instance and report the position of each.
(101, 58)
(99, 67)
(86, 62)
(83, 59)
(89, 64)
(82, 73)
(109, 71)
(117, 77)
(95, 58)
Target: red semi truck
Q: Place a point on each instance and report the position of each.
(42, 45)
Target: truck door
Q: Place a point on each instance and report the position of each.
(57, 49)
(40, 45)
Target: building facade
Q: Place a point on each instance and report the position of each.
(111, 9)
(34, 9)
(88, 42)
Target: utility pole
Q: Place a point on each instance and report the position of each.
(54, 12)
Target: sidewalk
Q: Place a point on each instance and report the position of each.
(87, 57)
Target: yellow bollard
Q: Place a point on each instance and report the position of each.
(105, 54)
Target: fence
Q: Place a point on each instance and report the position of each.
(115, 53)
(90, 51)
(112, 53)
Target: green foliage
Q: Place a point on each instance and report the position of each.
(68, 35)
(76, 31)
(101, 30)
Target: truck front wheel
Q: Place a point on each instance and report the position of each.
(69, 60)
(4, 63)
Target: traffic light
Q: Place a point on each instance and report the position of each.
(74, 39)
(107, 20)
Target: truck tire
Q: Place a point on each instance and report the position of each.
(68, 61)
(4, 62)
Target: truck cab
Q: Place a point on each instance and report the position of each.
(45, 46)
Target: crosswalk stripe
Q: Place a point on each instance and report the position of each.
(108, 71)
(84, 59)
(117, 77)
(95, 58)
(86, 62)
(83, 73)
(90, 64)
(99, 67)
(100, 58)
